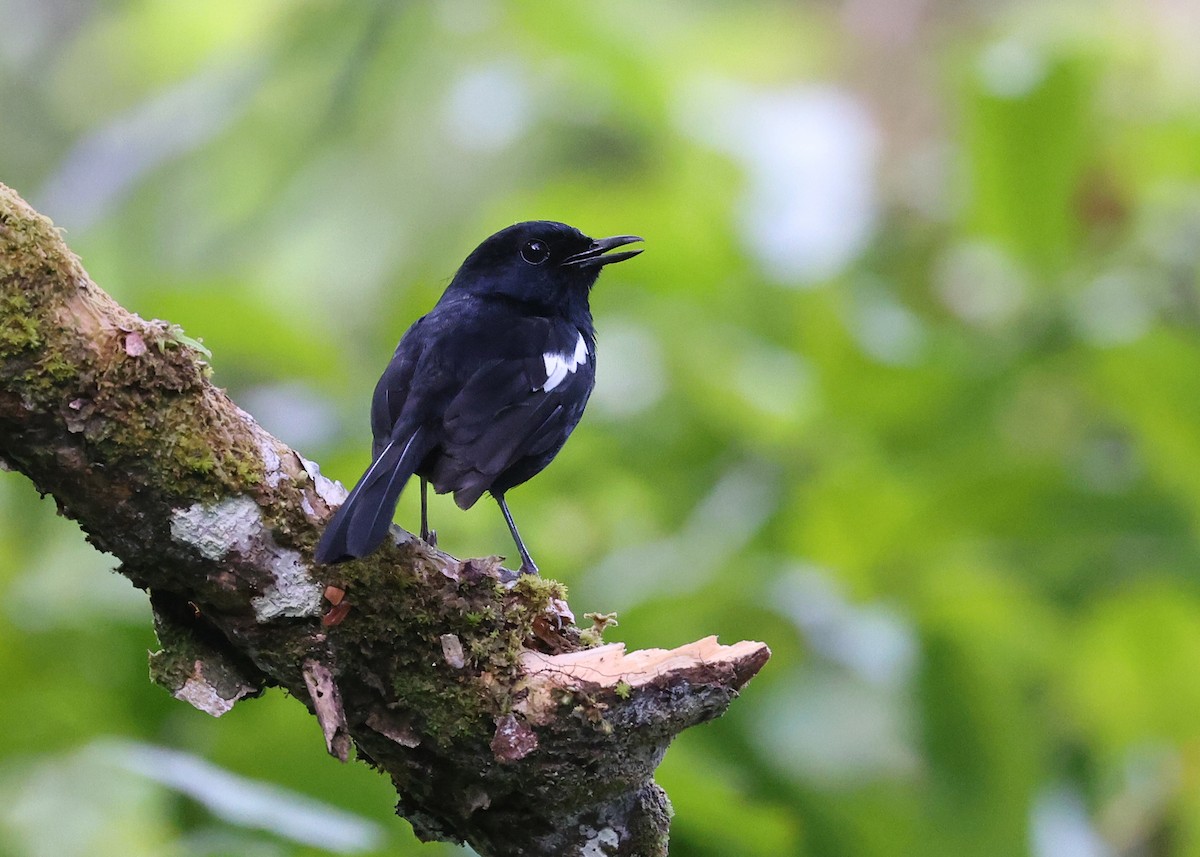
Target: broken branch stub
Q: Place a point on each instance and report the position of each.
(326, 701)
(495, 723)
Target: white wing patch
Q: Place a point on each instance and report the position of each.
(558, 366)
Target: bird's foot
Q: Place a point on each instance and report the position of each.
(429, 537)
(509, 578)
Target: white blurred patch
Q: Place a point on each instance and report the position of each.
(30, 28)
(467, 17)
(1059, 826)
(776, 381)
(110, 795)
(333, 223)
(630, 373)
(246, 802)
(293, 413)
(1150, 783)
(810, 156)
(1011, 68)
(104, 165)
(923, 180)
(873, 641)
(886, 330)
(719, 527)
(1115, 309)
(981, 284)
(846, 717)
(488, 108)
(1169, 225)
(1108, 464)
(71, 584)
(835, 729)
(78, 803)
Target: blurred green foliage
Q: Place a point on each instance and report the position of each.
(907, 384)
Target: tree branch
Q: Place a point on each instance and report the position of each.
(480, 700)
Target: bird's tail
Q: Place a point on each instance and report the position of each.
(361, 523)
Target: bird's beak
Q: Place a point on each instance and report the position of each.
(595, 255)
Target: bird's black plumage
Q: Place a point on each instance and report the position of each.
(484, 390)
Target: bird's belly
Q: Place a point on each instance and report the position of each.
(463, 471)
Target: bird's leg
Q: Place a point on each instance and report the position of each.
(527, 564)
(427, 535)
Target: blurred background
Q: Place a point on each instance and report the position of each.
(906, 384)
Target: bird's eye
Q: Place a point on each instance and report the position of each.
(535, 252)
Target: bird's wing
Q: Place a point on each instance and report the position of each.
(513, 407)
(392, 390)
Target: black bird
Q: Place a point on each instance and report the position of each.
(483, 391)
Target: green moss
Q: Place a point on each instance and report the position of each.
(397, 634)
(183, 651)
(18, 330)
(594, 636)
(55, 369)
(171, 666)
(247, 471)
(474, 618)
(194, 454)
(146, 411)
(533, 589)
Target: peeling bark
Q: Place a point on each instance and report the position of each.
(495, 722)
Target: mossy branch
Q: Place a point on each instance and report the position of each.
(481, 701)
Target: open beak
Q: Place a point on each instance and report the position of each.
(597, 255)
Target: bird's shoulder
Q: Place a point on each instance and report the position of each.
(524, 383)
(471, 358)
(473, 330)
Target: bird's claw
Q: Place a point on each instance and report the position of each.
(429, 537)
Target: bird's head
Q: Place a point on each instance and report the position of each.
(540, 262)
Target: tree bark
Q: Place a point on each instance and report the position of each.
(497, 722)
